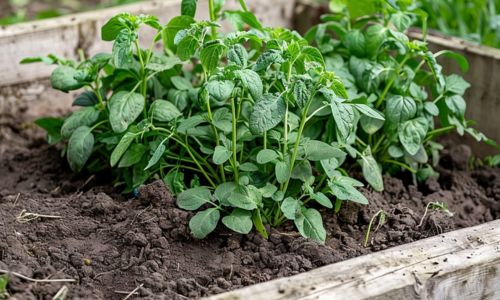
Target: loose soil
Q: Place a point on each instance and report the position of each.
(112, 243)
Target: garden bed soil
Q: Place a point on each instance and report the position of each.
(112, 243)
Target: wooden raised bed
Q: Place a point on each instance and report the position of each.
(462, 264)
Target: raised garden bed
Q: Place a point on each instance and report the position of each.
(115, 246)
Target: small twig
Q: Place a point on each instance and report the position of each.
(35, 280)
(17, 198)
(133, 292)
(381, 221)
(61, 294)
(25, 217)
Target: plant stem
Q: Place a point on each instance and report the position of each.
(235, 160)
(211, 10)
(438, 131)
(216, 133)
(402, 165)
(391, 82)
(98, 94)
(143, 74)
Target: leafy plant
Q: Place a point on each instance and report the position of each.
(395, 77)
(477, 20)
(233, 123)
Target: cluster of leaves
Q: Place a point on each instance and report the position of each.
(400, 78)
(233, 123)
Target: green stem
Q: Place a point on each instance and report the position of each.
(391, 82)
(98, 124)
(216, 133)
(144, 83)
(235, 160)
(438, 131)
(402, 165)
(211, 10)
(285, 134)
(98, 94)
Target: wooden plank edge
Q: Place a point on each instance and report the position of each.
(457, 44)
(463, 263)
(145, 7)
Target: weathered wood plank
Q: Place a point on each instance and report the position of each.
(66, 35)
(463, 264)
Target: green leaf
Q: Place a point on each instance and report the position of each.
(53, 127)
(160, 63)
(133, 156)
(242, 198)
(211, 55)
(267, 113)
(395, 151)
(282, 171)
(221, 90)
(122, 147)
(344, 189)
(188, 7)
(187, 47)
(412, 133)
(370, 125)
(239, 221)
(252, 82)
(238, 55)
(194, 198)
(456, 84)
(301, 93)
(85, 99)
(122, 54)
(375, 36)
(313, 54)
(371, 170)
(221, 155)
(355, 42)
(322, 199)
(344, 117)
(400, 109)
(460, 59)
(160, 150)
(310, 225)
(164, 111)
(248, 167)
(456, 104)
(175, 25)
(63, 79)
(369, 112)
(124, 108)
(181, 83)
(84, 117)
(317, 150)
(204, 222)
(80, 147)
(113, 27)
(223, 191)
(432, 108)
(290, 208)
(245, 17)
(401, 21)
(266, 155)
(266, 59)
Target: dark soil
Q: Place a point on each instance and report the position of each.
(110, 242)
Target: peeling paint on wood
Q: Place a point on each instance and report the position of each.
(463, 264)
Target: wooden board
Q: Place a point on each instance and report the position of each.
(463, 264)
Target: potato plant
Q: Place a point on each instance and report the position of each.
(233, 123)
(383, 69)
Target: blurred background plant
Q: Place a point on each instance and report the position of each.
(17, 11)
(477, 21)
